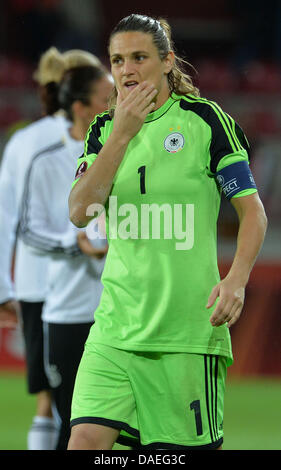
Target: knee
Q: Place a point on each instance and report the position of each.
(80, 439)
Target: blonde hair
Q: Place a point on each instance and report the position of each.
(53, 64)
(179, 81)
(78, 58)
(50, 68)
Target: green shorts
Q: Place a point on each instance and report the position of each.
(161, 400)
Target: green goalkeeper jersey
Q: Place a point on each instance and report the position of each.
(161, 226)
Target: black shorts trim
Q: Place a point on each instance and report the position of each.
(106, 422)
(126, 440)
(165, 445)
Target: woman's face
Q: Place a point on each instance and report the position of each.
(98, 101)
(134, 58)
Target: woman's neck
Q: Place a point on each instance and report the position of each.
(77, 132)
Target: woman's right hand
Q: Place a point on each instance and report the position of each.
(9, 313)
(95, 185)
(131, 111)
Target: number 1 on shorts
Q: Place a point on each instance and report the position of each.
(195, 405)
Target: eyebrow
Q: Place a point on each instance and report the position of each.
(117, 54)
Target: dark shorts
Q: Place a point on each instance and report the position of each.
(64, 348)
(32, 326)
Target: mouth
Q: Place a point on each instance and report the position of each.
(130, 84)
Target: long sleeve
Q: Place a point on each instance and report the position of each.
(45, 226)
(9, 215)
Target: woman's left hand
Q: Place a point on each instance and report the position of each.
(231, 300)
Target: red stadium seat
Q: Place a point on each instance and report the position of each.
(9, 115)
(15, 73)
(216, 76)
(260, 77)
(258, 124)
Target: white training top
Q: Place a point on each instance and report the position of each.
(20, 151)
(74, 285)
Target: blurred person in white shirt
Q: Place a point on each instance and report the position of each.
(24, 298)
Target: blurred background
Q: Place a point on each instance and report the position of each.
(235, 48)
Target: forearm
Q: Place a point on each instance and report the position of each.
(231, 290)
(251, 233)
(95, 185)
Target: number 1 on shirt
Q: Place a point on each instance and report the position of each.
(141, 171)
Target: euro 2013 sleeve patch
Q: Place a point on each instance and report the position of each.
(81, 170)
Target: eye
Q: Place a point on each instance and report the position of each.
(140, 58)
(116, 60)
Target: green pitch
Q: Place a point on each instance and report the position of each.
(252, 414)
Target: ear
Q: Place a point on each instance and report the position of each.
(169, 62)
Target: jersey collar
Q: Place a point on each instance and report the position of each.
(163, 109)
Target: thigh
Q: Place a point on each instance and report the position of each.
(179, 398)
(90, 436)
(32, 327)
(103, 393)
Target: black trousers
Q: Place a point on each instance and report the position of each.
(65, 346)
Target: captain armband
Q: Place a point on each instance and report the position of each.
(235, 178)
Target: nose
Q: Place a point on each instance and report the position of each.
(128, 67)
